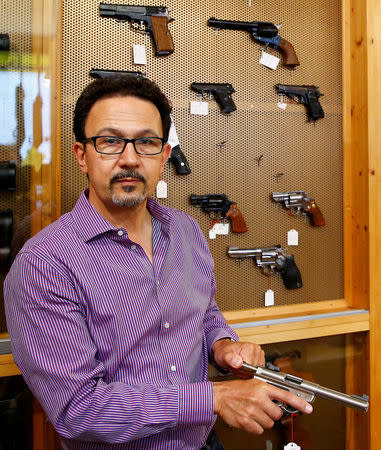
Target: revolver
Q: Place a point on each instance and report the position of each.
(272, 259)
(300, 201)
(263, 32)
(221, 207)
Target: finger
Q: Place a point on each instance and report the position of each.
(233, 360)
(247, 424)
(291, 399)
(252, 354)
(273, 410)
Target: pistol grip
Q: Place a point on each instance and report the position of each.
(161, 36)
(317, 218)
(225, 101)
(237, 220)
(290, 58)
(179, 161)
(291, 276)
(315, 111)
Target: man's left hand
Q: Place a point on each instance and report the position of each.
(230, 354)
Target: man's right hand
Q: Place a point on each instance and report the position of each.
(248, 404)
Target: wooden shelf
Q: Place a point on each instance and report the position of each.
(8, 367)
(291, 328)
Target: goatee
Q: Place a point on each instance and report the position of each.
(127, 201)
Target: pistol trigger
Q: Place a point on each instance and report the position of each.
(287, 409)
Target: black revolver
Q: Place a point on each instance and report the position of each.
(151, 19)
(272, 259)
(308, 95)
(221, 207)
(221, 93)
(263, 32)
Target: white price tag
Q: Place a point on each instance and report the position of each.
(292, 237)
(282, 105)
(221, 228)
(269, 297)
(199, 108)
(212, 233)
(161, 189)
(292, 446)
(269, 61)
(140, 54)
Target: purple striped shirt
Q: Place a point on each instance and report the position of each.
(115, 348)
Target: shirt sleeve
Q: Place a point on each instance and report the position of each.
(215, 325)
(53, 348)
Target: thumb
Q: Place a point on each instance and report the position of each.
(233, 360)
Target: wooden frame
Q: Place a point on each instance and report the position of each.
(362, 218)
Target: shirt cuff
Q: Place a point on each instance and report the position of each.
(196, 403)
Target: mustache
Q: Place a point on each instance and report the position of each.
(127, 174)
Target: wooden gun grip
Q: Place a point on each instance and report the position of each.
(317, 218)
(236, 217)
(161, 35)
(290, 58)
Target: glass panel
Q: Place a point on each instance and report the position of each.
(26, 161)
(319, 360)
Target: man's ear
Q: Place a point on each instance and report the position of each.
(167, 149)
(80, 155)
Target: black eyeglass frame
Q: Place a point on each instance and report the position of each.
(93, 139)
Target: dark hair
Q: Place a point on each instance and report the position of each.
(119, 87)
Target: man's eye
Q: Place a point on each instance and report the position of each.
(144, 141)
(111, 141)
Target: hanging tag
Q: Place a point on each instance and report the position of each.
(282, 105)
(292, 446)
(161, 189)
(212, 233)
(269, 61)
(292, 237)
(269, 297)
(139, 54)
(221, 228)
(199, 108)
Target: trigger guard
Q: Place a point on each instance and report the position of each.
(287, 409)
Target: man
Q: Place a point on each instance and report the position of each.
(111, 309)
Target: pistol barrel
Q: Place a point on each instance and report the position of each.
(235, 252)
(297, 384)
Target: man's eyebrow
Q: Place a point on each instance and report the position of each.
(108, 130)
(116, 132)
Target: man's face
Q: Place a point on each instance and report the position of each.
(128, 179)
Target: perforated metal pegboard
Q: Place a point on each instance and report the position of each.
(308, 155)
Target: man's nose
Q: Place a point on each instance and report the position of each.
(129, 157)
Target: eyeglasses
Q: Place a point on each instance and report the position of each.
(112, 145)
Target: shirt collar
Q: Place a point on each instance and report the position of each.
(90, 223)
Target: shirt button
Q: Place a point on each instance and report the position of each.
(166, 325)
(120, 233)
(173, 368)
(133, 247)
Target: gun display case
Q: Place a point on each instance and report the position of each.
(29, 198)
(254, 151)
